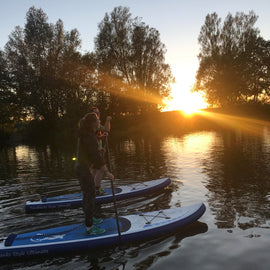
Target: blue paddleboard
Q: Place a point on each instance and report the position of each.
(73, 237)
(121, 193)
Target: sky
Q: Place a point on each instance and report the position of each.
(178, 21)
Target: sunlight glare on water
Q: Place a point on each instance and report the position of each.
(183, 159)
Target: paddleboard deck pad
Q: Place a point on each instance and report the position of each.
(75, 200)
(73, 237)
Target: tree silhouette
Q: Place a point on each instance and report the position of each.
(234, 60)
(131, 62)
(43, 61)
(8, 108)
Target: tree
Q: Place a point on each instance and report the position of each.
(8, 108)
(209, 37)
(231, 57)
(44, 64)
(131, 62)
(256, 71)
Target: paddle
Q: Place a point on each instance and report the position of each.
(114, 200)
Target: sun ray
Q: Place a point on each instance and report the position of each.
(112, 85)
(246, 124)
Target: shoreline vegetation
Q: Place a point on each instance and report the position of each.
(155, 124)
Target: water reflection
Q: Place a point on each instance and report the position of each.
(238, 169)
(138, 159)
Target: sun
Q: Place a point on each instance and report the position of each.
(185, 101)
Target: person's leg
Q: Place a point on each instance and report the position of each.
(88, 189)
(98, 177)
(93, 171)
(99, 173)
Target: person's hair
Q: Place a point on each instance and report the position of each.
(87, 123)
(96, 111)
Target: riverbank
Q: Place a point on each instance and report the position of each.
(155, 124)
(177, 122)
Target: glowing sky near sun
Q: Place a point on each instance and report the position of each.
(183, 99)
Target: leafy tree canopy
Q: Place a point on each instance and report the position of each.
(42, 59)
(234, 60)
(131, 62)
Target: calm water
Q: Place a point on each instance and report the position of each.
(227, 170)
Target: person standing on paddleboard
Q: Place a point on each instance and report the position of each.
(101, 133)
(88, 155)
